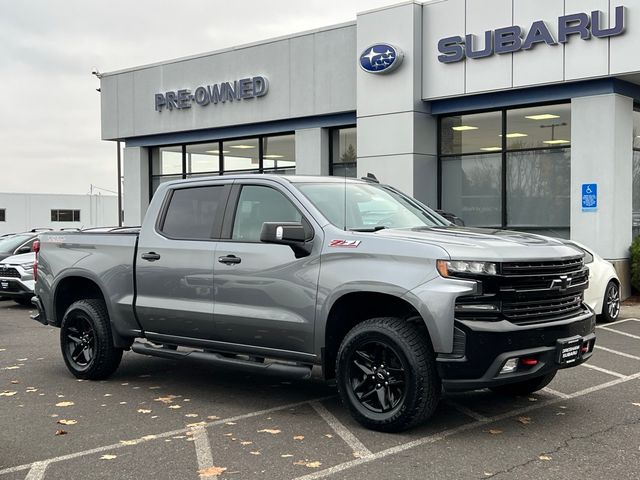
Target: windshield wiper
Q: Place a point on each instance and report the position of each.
(377, 228)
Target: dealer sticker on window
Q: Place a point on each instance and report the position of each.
(344, 243)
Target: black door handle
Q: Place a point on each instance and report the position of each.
(151, 256)
(229, 259)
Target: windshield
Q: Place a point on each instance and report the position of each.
(369, 207)
(9, 244)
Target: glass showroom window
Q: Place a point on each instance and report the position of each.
(636, 172)
(165, 165)
(508, 168)
(3, 215)
(202, 159)
(279, 154)
(344, 153)
(241, 156)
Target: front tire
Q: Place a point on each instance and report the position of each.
(86, 341)
(611, 303)
(386, 374)
(527, 387)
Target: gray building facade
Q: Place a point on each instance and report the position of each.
(517, 114)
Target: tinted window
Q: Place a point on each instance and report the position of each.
(192, 212)
(257, 205)
(2, 214)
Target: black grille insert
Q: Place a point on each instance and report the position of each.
(9, 272)
(542, 268)
(554, 308)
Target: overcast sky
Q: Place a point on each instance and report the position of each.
(50, 110)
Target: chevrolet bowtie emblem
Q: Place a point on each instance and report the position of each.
(561, 283)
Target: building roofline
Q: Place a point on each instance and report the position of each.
(231, 49)
(29, 194)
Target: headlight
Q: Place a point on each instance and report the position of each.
(27, 266)
(449, 268)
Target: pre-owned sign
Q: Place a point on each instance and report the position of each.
(238, 90)
(512, 39)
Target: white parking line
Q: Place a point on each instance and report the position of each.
(603, 370)
(466, 411)
(203, 449)
(555, 392)
(620, 333)
(37, 471)
(359, 450)
(618, 322)
(447, 433)
(149, 438)
(616, 352)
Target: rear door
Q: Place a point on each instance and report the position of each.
(264, 295)
(174, 264)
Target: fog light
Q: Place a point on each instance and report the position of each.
(509, 366)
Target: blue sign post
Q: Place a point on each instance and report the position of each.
(589, 197)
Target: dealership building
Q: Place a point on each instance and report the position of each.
(518, 114)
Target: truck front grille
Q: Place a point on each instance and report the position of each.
(557, 308)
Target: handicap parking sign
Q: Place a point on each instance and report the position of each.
(589, 197)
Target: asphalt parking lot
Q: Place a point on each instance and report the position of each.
(163, 419)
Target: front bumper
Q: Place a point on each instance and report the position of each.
(16, 288)
(484, 347)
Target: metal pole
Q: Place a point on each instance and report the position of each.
(119, 188)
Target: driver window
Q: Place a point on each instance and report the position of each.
(256, 205)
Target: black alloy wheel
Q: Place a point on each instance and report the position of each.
(86, 341)
(79, 341)
(377, 376)
(611, 306)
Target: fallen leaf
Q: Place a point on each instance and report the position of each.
(108, 457)
(64, 404)
(299, 437)
(124, 384)
(108, 395)
(328, 435)
(15, 382)
(67, 422)
(524, 420)
(230, 423)
(228, 434)
(495, 431)
(191, 415)
(269, 430)
(174, 406)
(129, 442)
(636, 404)
(144, 376)
(196, 425)
(123, 403)
(149, 437)
(7, 393)
(61, 432)
(533, 399)
(488, 474)
(246, 443)
(31, 390)
(13, 367)
(2, 349)
(154, 388)
(545, 457)
(305, 463)
(154, 416)
(213, 417)
(255, 453)
(211, 472)
(186, 400)
(165, 399)
(143, 410)
(286, 455)
(22, 359)
(54, 415)
(178, 437)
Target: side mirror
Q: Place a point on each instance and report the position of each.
(23, 249)
(287, 233)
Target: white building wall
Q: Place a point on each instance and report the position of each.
(24, 211)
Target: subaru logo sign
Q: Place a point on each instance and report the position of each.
(380, 58)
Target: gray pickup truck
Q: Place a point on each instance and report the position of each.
(280, 274)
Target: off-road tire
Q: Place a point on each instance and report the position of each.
(422, 387)
(526, 387)
(105, 358)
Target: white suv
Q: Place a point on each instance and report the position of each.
(16, 278)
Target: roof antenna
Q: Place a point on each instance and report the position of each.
(371, 178)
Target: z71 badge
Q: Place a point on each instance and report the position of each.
(345, 243)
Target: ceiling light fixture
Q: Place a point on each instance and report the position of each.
(273, 156)
(542, 116)
(556, 142)
(216, 152)
(491, 149)
(516, 135)
(243, 147)
(464, 128)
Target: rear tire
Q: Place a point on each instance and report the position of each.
(610, 303)
(86, 341)
(527, 387)
(386, 374)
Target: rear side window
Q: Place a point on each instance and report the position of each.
(258, 204)
(194, 213)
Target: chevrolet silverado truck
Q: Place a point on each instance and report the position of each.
(280, 274)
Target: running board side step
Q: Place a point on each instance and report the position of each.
(298, 371)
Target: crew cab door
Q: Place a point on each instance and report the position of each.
(174, 264)
(264, 295)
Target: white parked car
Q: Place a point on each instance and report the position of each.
(16, 278)
(603, 294)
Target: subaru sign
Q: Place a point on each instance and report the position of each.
(380, 58)
(236, 91)
(513, 39)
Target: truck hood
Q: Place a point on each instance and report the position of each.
(466, 243)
